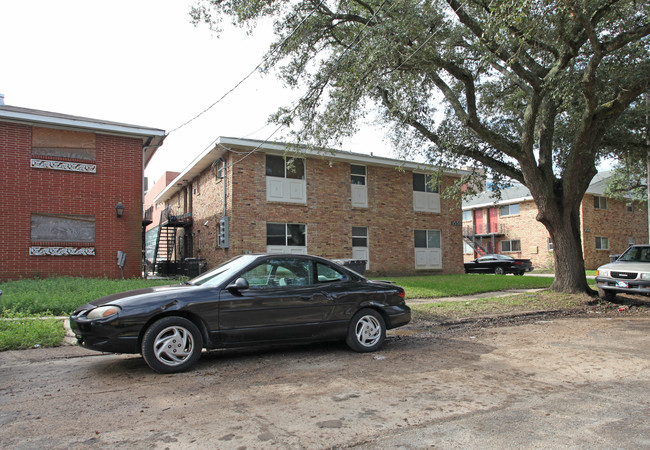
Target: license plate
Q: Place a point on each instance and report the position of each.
(622, 284)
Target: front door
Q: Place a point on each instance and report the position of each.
(284, 302)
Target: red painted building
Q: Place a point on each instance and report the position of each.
(72, 189)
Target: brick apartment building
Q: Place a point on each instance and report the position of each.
(509, 225)
(338, 205)
(63, 178)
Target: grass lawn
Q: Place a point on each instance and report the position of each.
(61, 296)
(27, 306)
(433, 286)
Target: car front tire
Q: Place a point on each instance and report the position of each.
(608, 296)
(367, 331)
(172, 344)
(499, 271)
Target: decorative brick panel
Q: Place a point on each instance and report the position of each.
(30, 190)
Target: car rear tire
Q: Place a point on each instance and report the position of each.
(172, 344)
(367, 331)
(608, 296)
(499, 271)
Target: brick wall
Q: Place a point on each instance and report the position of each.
(615, 223)
(43, 191)
(328, 214)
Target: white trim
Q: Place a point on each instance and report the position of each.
(498, 203)
(69, 122)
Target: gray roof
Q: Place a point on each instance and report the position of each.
(520, 193)
(224, 143)
(152, 138)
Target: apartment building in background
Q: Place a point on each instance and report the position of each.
(509, 225)
(247, 196)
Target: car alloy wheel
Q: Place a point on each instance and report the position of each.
(499, 271)
(172, 344)
(367, 331)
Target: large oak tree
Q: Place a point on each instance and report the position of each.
(528, 89)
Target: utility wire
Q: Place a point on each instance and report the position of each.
(250, 73)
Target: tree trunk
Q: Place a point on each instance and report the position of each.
(570, 274)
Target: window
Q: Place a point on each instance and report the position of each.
(281, 167)
(285, 179)
(280, 272)
(630, 241)
(327, 274)
(629, 207)
(511, 246)
(549, 243)
(358, 175)
(359, 190)
(509, 210)
(359, 237)
(424, 183)
(285, 234)
(286, 238)
(600, 202)
(467, 249)
(426, 193)
(428, 253)
(427, 239)
(62, 235)
(602, 243)
(467, 216)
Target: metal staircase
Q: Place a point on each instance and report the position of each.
(165, 251)
(472, 242)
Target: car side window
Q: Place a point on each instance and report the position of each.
(328, 274)
(280, 272)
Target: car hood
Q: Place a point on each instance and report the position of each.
(627, 266)
(143, 296)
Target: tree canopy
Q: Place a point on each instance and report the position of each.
(532, 90)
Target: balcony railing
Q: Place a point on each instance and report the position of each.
(483, 230)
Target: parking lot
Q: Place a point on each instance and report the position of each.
(549, 382)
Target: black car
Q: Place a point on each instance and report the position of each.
(249, 300)
(498, 264)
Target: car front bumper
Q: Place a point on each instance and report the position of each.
(641, 287)
(104, 335)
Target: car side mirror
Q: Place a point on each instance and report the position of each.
(239, 284)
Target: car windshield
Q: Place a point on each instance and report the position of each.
(223, 272)
(636, 254)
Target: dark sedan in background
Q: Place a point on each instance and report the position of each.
(498, 264)
(249, 300)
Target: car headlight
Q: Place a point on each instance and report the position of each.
(644, 276)
(602, 273)
(102, 312)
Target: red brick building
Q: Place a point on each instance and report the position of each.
(246, 196)
(509, 225)
(63, 178)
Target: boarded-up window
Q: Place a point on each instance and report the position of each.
(51, 143)
(63, 228)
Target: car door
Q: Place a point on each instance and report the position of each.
(283, 303)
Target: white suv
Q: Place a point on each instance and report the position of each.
(630, 273)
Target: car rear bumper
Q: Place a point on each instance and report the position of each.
(641, 287)
(397, 316)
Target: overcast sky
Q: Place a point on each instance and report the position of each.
(142, 62)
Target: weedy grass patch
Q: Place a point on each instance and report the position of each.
(516, 303)
(62, 295)
(20, 331)
(433, 286)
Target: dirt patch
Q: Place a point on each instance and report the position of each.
(526, 379)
